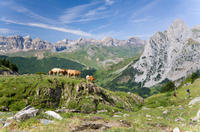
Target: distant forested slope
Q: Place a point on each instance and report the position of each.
(33, 65)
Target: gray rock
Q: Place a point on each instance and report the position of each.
(6, 124)
(179, 119)
(165, 112)
(176, 129)
(102, 111)
(117, 116)
(26, 113)
(194, 101)
(62, 110)
(126, 115)
(54, 115)
(148, 116)
(46, 122)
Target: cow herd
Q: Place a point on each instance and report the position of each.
(69, 73)
(64, 72)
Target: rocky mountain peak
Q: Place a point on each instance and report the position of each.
(108, 41)
(27, 37)
(173, 55)
(135, 40)
(179, 31)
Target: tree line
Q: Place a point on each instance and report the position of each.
(8, 64)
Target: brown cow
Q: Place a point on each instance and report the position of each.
(73, 73)
(90, 78)
(56, 71)
(65, 72)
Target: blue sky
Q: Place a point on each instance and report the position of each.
(54, 20)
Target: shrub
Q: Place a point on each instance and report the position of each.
(40, 73)
(8, 64)
(194, 76)
(169, 86)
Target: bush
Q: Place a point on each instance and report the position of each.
(168, 87)
(40, 73)
(194, 76)
(8, 64)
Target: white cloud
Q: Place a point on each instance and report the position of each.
(84, 13)
(45, 26)
(144, 8)
(72, 14)
(142, 20)
(20, 9)
(109, 2)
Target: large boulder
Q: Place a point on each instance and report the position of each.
(26, 113)
(53, 114)
(194, 101)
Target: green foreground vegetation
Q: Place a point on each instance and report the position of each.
(51, 92)
(149, 117)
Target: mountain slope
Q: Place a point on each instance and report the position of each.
(33, 65)
(172, 54)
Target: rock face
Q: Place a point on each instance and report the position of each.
(172, 54)
(18, 43)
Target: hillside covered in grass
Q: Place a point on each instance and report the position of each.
(51, 92)
(116, 111)
(95, 56)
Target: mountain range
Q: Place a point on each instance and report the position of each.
(18, 43)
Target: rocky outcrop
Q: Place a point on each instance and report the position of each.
(172, 54)
(83, 97)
